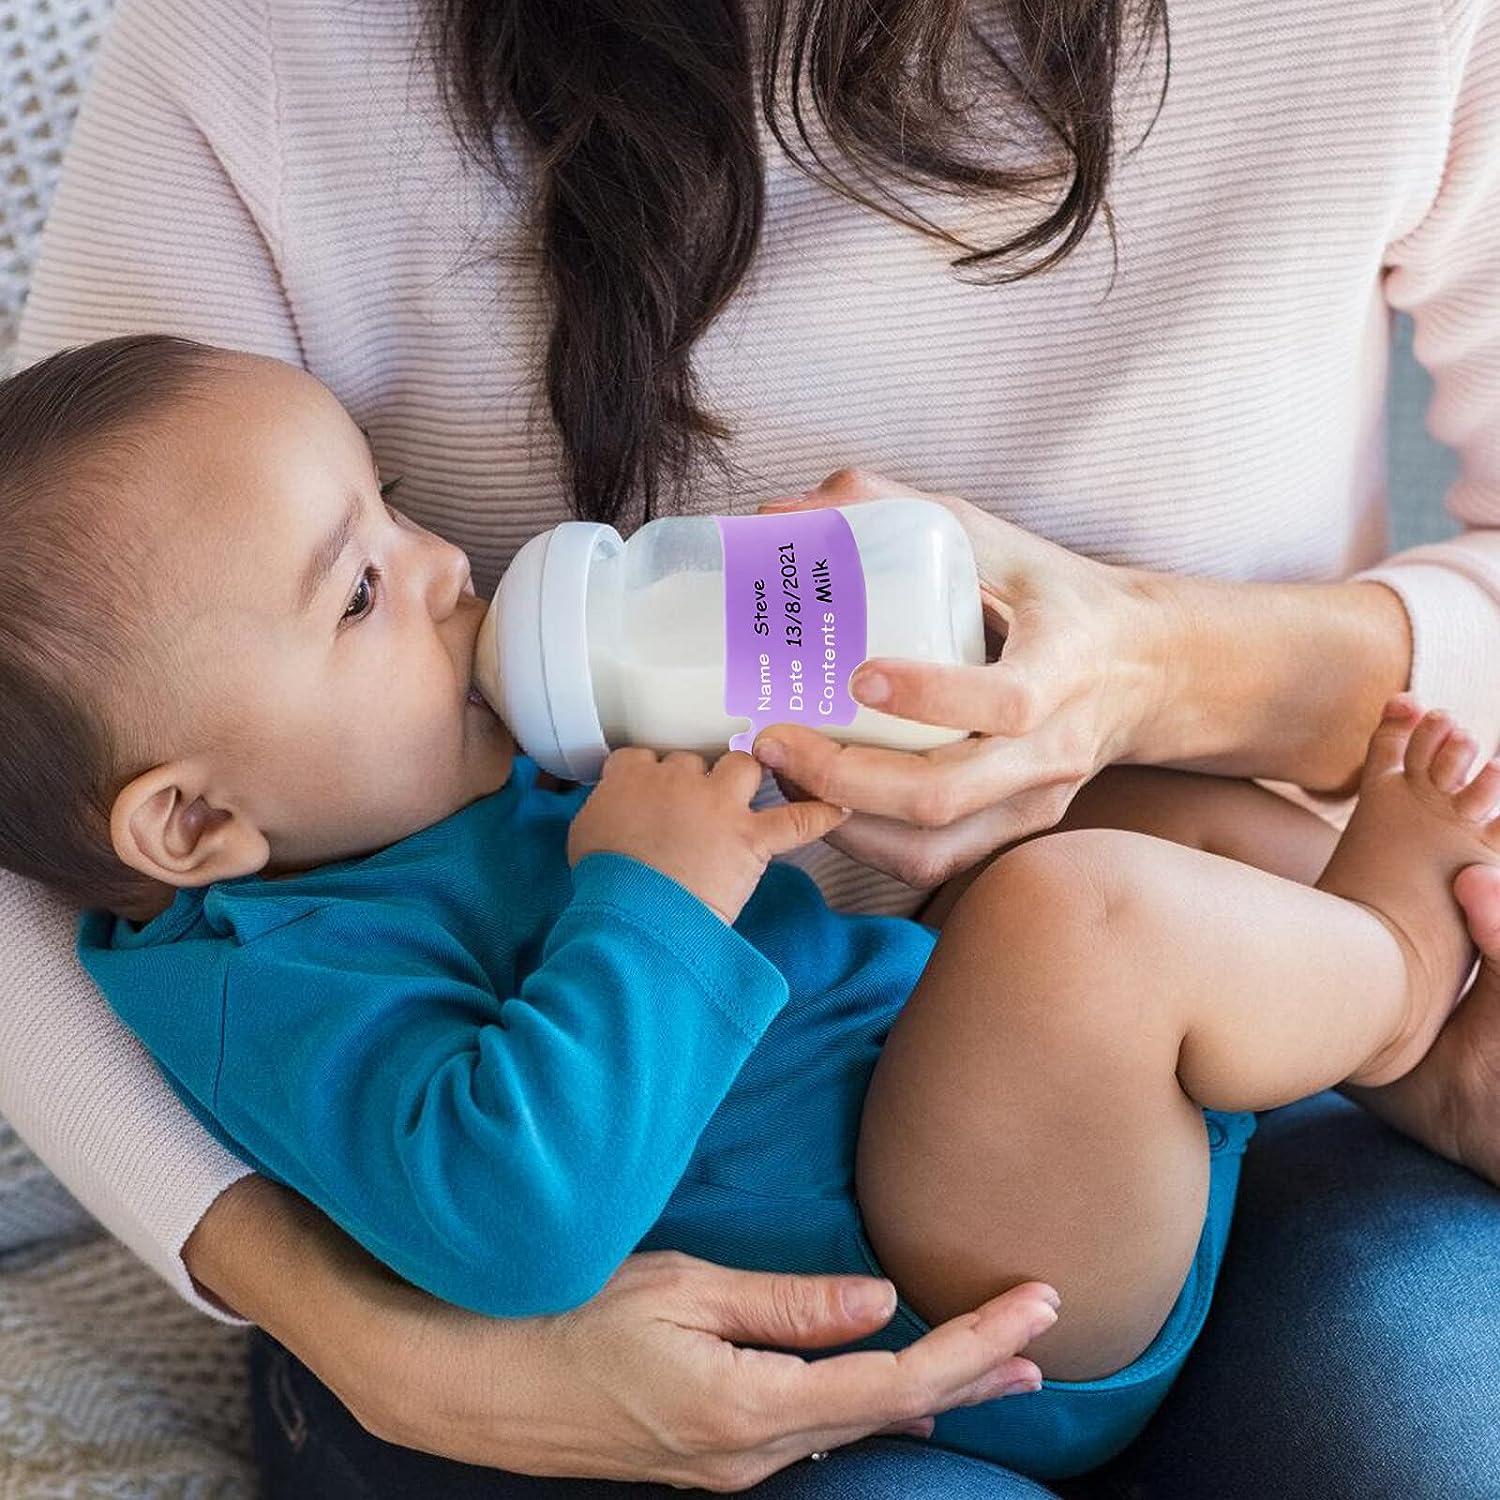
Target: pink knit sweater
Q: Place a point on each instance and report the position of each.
(276, 175)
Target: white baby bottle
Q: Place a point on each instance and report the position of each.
(701, 630)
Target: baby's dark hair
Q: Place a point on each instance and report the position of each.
(73, 429)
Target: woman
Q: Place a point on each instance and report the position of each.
(1187, 386)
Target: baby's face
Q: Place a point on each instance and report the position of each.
(323, 643)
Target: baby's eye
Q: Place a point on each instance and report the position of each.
(362, 601)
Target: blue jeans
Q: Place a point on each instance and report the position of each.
(1353, 1353)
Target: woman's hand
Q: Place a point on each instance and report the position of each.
(640, 1383)
(1079, 675)
(1100, 664)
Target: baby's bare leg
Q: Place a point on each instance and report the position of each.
(1237, 819)
(1036, 1109)
(1218, 814)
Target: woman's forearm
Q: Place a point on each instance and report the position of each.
(270, 1256)
(393, 1355)
(1283, 681)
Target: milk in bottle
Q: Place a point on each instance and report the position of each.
(701, 630)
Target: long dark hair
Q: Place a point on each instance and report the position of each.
(637, 121)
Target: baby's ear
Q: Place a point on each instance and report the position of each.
(163, 826)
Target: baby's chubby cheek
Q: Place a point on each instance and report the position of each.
(342, 776)
(366, 798)
(412, 775)
(395, 771)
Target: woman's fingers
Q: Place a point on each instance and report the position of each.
(846, 487)
(973, 1356)
(788, 1408)
(996, 698)
(1026, 791)
(957, 1362)
(869, 778)
(1035, 676)
(930, 790)
(787, 1310)
(1011, 1377)
(926, 857)
(920, 1429)
(1006, 553)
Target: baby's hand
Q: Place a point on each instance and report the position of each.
(694, 824)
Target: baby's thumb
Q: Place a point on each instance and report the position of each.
(794, 824)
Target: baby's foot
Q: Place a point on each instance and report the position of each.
(1419, 822)
(1451, 1100)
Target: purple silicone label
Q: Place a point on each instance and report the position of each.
(794, 619)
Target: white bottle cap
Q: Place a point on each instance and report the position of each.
(532, 659)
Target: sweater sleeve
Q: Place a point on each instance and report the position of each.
(504, 1152)
(159, 223)
(1445, 272)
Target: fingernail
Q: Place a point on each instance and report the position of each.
(1044, 1318)
(1050, 1296)
(866, 1299)
(870, 687)
(770, 753)
(1043, 1314)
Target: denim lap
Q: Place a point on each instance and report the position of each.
(1353, 1353)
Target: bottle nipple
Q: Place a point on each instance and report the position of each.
(487, 657)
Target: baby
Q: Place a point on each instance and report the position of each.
(505, 1032)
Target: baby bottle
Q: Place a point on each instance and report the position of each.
(701, 630)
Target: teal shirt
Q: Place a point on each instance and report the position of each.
(489, 1069)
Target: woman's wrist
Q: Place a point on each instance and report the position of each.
(1283, 681)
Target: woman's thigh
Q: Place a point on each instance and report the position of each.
(1353, 1352)
(308, 1447)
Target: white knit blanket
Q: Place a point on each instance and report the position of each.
(109, 1385)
